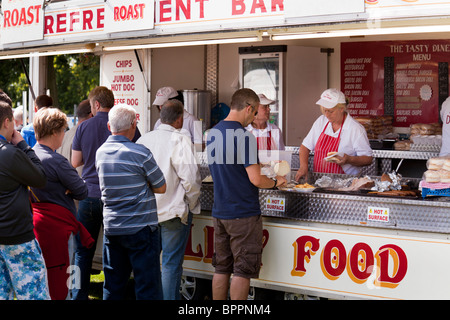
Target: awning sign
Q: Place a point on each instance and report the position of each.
(295, 8)
(129, 15)
(22, 20)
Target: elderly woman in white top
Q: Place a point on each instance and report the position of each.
(268, 135)
(335, 131)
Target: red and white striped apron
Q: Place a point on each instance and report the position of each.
(326, 144)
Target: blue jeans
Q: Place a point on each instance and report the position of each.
(174, 236)
(138, 253)
(90, 214)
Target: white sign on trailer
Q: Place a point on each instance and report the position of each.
(121, 74)
(337, 262)
(21, 20)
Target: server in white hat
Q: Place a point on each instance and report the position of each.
(339, 142)
(268, 135)
(192, 127)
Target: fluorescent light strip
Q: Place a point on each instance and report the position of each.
(181, 44)
(363, 32)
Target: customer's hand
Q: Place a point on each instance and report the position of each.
(16, 137)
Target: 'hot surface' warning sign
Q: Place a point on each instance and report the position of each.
(378, 214)
(276, 204)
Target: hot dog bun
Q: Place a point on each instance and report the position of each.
(331, 153)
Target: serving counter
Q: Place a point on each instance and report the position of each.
(431, 214)
(383, 161)
(425, 215)
(335, 244)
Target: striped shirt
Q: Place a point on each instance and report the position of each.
(127, 171)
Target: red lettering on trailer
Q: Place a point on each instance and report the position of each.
(198, 254)
(238, 7)
(400, 266)
(48, 25)
(61, 23)
(332, 259)
(391, 261)
(360, 263)
(124, 63)
(164, 9)
(130, 12)
(258, 4)
(305, 248)
(186, 9)
(88, 15)
(88, 19)
(73, 19)
(100, 18)
(202, 8)
(183, 10)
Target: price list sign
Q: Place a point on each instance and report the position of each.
(121, 74)
(404, 79)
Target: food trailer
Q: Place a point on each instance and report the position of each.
(389, 57)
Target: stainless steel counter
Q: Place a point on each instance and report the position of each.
(427, 215)
(382, 159)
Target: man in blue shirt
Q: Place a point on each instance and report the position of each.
(129, 178)
(233, 162)
(27, 131)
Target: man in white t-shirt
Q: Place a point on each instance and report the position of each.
(174, 153)
(192, 127)
(445, 117)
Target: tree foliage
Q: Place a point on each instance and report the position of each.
(13, 80)
(75, 76)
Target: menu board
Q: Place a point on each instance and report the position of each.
(404, 79)
(121, 74)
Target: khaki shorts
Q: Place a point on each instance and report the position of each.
(241, 239)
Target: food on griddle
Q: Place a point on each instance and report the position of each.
(304, 186)
(359, 183)
(385, 177)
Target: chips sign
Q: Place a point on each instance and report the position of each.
(23, 20)
(121, 74)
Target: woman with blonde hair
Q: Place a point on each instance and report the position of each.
(54, 211)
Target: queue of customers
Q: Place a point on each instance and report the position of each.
(142, 190)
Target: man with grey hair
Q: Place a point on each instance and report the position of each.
(174, 153)
(129, 178)
(18, 118)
